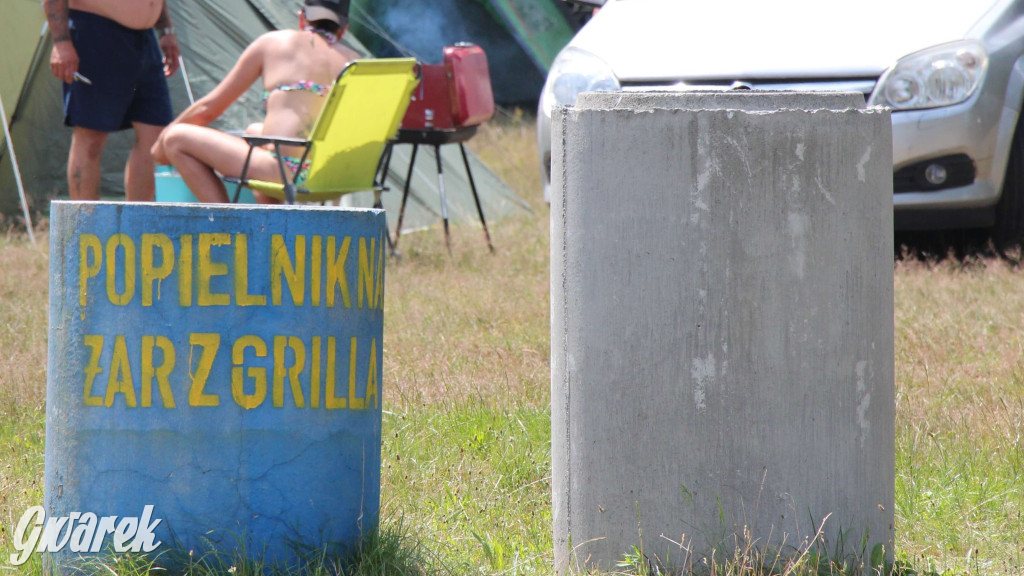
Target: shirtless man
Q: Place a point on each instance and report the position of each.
(106, 54)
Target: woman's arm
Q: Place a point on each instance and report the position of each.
(246, 71)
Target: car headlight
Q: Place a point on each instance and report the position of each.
(939, 76)
(572, 72)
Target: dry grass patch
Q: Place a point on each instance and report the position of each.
(472, 325)
(469, 326)
(960, 345)
(508, 145)
(960, 415)
(23, 305)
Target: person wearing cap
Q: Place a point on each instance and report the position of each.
(114, 70)
(297, 68)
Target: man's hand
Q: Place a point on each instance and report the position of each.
(169, 46)
(64, 61)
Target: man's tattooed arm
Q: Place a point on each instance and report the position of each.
(57, 17)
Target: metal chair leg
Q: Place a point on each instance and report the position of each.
(405, 197)
(378, 203)
(289, 183)
(444, 201)
(382, 166)
(245, 172)
(476, 197)
(380, 187)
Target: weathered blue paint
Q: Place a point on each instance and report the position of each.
(243, 471)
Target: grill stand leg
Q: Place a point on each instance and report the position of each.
(380, 187)
(476, 197)
(405, 198)
(444, 201)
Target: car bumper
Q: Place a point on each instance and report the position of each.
(980, 129)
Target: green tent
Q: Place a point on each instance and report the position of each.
(20, 30)
(212, 34)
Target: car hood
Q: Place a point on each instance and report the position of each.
(651, 40)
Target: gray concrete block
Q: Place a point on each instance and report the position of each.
(722, 324)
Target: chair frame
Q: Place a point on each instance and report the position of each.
(255, 141)
(291, 191)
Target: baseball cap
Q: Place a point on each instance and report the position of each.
(333, 10)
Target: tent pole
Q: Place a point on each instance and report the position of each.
(17, 172)
(188, 84)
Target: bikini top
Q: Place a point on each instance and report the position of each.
(304, 85)
(301, 85)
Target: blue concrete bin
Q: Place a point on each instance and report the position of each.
(221, 364)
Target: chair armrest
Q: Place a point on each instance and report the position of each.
(259, 140)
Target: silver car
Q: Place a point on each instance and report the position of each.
(952, 71)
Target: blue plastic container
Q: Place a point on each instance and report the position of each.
(171, 188)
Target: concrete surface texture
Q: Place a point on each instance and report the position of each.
(221, 364)
(722, 325)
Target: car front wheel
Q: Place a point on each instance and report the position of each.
(1008, 231)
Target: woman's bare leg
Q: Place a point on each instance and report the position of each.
(198, 153)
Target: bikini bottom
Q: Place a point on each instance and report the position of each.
(292, 164)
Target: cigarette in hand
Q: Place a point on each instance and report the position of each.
(81, 78)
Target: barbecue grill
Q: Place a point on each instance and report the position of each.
(453, 99)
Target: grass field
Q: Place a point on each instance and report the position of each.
(466, 463)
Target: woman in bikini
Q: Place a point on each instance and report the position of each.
(297, 68)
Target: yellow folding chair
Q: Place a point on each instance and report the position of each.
(362, 112)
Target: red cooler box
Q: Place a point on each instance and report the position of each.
(472, 99)
(455, 94)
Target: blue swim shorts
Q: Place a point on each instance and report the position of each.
(126, 69)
